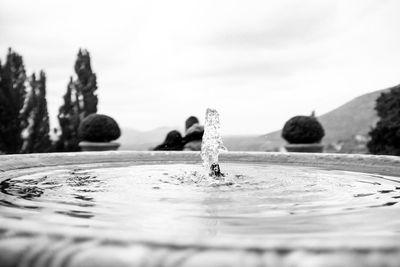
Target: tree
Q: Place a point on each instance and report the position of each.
(80, 100)
(385, 137)
(12, 98)
(68, 118)
(37, 129)
(86, 84)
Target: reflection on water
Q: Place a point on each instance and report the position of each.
(29, 191)
(179, 199)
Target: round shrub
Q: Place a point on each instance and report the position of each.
(98, 128)
(303, 130)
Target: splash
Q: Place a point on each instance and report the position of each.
(212, 143)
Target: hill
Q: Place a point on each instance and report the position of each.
(132, 139)
(350, 122)
(346, 130)
(246, 143)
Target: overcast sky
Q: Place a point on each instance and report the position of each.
(257, 62)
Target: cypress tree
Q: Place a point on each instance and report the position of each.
(86, 84)
(37, 129)
(80, 100)
(68, 118)
(12, 98)
(385, 137)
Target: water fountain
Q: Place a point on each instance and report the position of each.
(163, 209)
(212, 142)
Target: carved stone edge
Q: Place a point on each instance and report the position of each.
(20, 250)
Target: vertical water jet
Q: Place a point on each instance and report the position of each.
(212, 143)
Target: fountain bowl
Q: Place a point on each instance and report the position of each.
(26, 243)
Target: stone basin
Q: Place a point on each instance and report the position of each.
(145, 209)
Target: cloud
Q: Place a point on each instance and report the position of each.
(291, 26)
(275, 68)
(156, 60)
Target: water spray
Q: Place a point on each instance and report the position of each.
(212, 143)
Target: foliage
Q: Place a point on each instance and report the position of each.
(385, 137)
(99, 128)
(80, 101)
(68, 118)
(12, 98)
(37, 137)
(303, 130)
(173, 141)
(86, 84)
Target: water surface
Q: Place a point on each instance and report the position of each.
(177, 199)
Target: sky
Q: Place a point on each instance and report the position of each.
(258, 63)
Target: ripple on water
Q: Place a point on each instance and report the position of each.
(180, 199)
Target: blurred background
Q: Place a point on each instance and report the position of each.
(152, 64)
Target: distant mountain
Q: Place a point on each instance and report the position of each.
(349, 122)
(132, 139)
(352, 120)
(356, 117)
(246, 142)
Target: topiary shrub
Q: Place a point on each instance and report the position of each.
(98, 128)
(303, 130)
